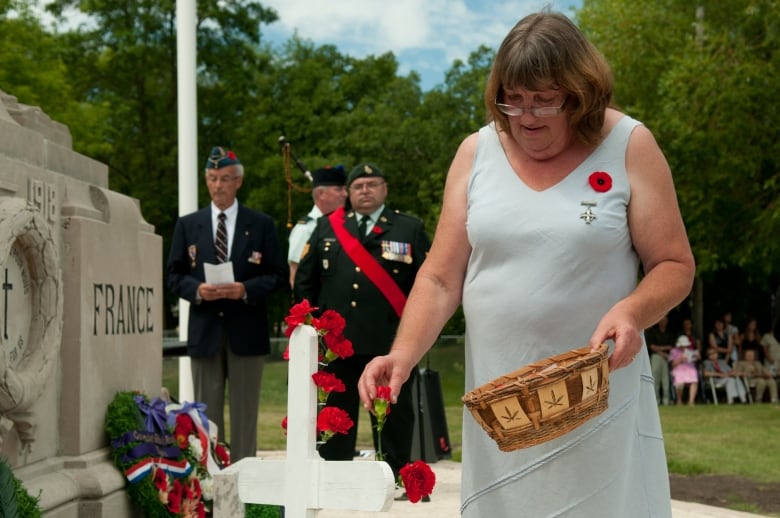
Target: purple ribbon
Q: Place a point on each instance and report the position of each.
(150, 450)
(154, 412)
(200, 409)
(142, 436)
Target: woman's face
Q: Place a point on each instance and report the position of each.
(540, 135)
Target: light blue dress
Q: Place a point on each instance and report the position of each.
(539, 279)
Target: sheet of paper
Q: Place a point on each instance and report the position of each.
(219, 273)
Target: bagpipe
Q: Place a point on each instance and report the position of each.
(288, 157)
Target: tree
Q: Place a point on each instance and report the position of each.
(122, 62)
(706, 81)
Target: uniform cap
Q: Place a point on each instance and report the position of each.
(364, 170)
(221, 157)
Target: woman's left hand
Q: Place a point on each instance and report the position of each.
(620, 327)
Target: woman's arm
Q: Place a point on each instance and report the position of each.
(659, 237)
(437, 289)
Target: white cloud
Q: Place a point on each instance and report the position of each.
(425, 35)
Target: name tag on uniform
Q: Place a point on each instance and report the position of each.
(397, 251)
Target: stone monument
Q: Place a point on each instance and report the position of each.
(80, 314)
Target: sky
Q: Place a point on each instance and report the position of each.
(424, 35)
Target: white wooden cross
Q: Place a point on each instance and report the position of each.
(303, 483)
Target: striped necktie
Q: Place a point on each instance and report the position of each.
(221, 241)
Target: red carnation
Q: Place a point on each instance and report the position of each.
(332, 420)
(376, 230)
(418, 479)
(338, 347)
(184, 428)
(160, 480)
(331, 322)
(600, 181)
(381, 406)
(299, 314)
(327, 382)
(174, 497)
(223, 455)
(231, 155)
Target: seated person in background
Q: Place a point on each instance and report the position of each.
(758, 376)
(772, 352)
(750, 338)
(723, 376)
(721, 341)
(683, 358)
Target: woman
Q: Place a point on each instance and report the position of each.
(547, 212)
(720, 340)
(750, 340)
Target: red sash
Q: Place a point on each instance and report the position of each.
(367, 263)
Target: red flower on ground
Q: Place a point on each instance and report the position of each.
(332, 420)
(418, 479)
(600, 181)
(284, 424)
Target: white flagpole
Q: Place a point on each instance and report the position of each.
(188, 143)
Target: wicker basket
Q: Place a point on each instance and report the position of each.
(542, 400)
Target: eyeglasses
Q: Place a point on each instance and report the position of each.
(368, 185)
(536, 111)
(221, 179)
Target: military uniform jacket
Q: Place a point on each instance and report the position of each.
(257, 262)
(329, 279)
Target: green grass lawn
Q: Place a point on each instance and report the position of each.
(739, 440)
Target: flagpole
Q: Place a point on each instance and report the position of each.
(188, 142)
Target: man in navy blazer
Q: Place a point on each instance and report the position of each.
(227, 332)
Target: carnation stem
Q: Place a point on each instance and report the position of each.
(379, 454)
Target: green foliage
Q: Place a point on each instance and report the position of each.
(262, 511)
(15, 501)
(704, 78)
(8, 504)
(704, 81)
(124, 415)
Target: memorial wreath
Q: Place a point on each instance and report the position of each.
(168, 453)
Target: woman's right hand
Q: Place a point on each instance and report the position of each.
(388, 370)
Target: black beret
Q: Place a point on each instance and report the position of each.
(329, 175)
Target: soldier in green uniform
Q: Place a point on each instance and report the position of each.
(362, 262)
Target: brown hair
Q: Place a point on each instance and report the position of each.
(546, 50)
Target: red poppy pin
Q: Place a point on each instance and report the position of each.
(600, 181)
